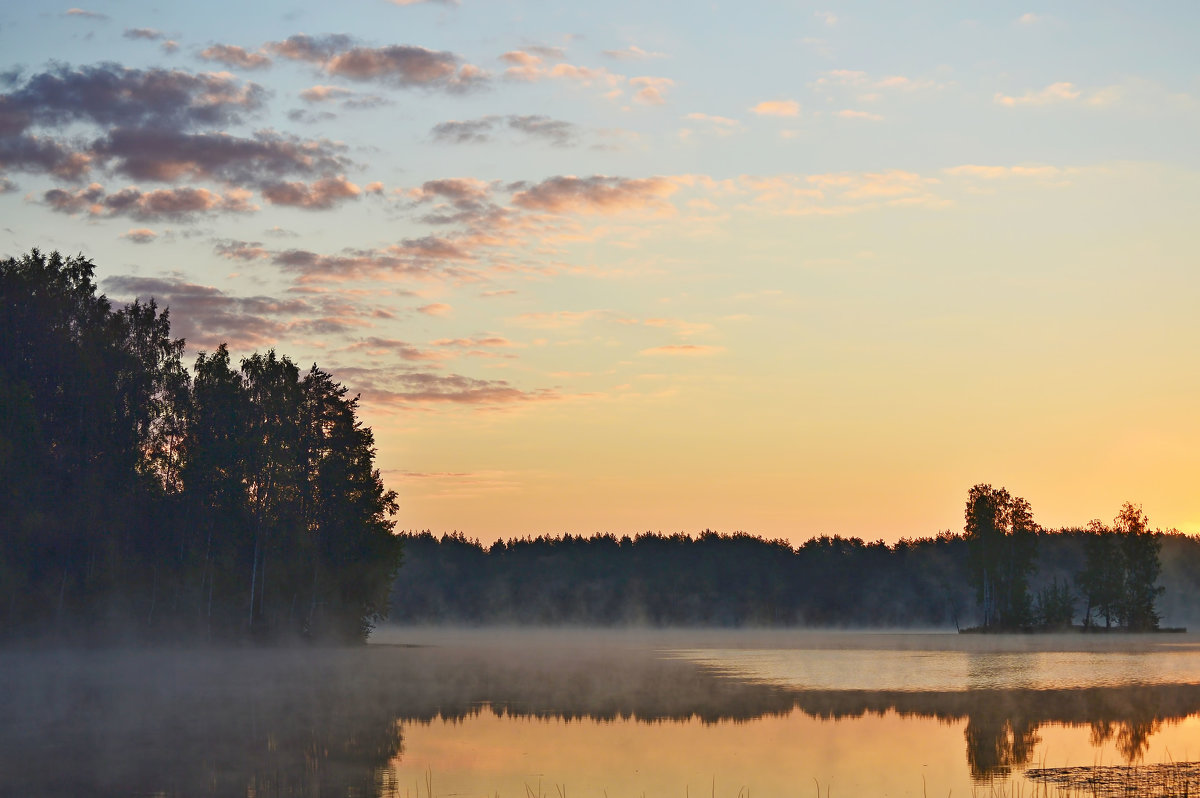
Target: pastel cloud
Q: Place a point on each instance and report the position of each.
(400, 66)
(563, 319)
(140, 235)
(649, 90)
(596, 194)
(1052, 94)
(207, 316)
(787, 108)
(80, 13)
(456, 389)
(849, 113)
(151, 125)
(166, 155)
(1003, 172)
(840, 193)
(472, 343)
(868, 86)
(319, 195)
(528, 66)
(377, 346)
(720, 122)
(684, 350)
(478, 131)
(426, 258)
(234, 56)
(176, 204)
(148, 34)
(632, 53)
(111, 95)
(436, 309)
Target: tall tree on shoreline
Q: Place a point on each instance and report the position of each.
(1139, 549)
(137, 500)
(1002, 546)
(1103, 578)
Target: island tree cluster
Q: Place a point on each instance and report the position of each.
(1117, 583)
(137, 497)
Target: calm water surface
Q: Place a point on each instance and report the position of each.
(424, 712)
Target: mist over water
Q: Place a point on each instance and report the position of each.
(1143, 660)
(487, 711)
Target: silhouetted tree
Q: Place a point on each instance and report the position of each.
(1102, 579)
(1054, 606)
(1002, 547)
(1139, 549)
(130, 493)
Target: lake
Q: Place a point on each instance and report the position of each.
(604, 713)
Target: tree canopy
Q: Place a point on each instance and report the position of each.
(137, 498)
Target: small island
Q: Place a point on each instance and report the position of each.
(1118, 582)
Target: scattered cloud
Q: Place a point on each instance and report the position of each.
(1003, 172)
(427, 387)
(684, 350)
(650, 91)
(828, 17)
(530, 66)
(632, 53)
(477, 131)
(869, 88)
(377, 346)
(152, 127)
(427, 258)
(80, 13)
(1052, 94)
(472, 343)
(777, 108)
(322, 94)
(319, 195)
(839, 193)
(206, 316)
(436, 309)
(140, 235)
(1029, 18)
(234, 56)
(596, 194)
(399, 66)
(166, 155)
(471, 131)
(715, 125)
(564, 319)
(849, 113)
(110, 95)
(174, 204)
(149, 34)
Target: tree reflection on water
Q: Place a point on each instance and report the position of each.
(328, 721)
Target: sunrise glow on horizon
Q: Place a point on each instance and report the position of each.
(783, 268)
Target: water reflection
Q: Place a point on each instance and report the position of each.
(329, 722)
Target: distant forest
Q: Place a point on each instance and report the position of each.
(742, 580)
(138, 500)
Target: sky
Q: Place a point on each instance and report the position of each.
(778, 267)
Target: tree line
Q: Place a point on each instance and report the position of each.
(1003, 572)
(137, 498)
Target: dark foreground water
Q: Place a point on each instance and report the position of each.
(426, 712)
